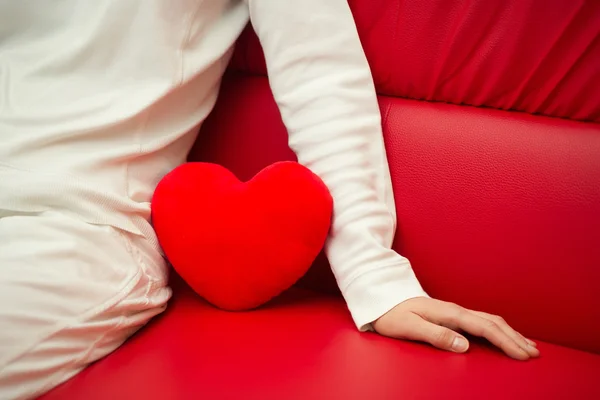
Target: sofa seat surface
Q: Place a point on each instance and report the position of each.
(303, 345)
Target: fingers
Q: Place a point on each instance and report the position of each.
(437, 322)
(455, 317)
(416, 328)
(526, 344)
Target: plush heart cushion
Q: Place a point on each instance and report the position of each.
(239, 244)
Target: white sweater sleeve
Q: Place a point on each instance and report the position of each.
(322, 84)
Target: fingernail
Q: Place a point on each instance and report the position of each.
(531, 343)
(460, 345)
(534, 351)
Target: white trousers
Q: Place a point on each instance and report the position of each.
(70, 293)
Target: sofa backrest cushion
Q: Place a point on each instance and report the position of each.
(537, 56)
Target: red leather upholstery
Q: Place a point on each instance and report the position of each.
(497, 210)
(501, 212)
(538, 56)
(304, 346)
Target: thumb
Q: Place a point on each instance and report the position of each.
(416, 328)
(446, 339)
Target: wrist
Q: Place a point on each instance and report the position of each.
(374, 294)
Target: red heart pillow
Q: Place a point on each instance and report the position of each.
(239, 244)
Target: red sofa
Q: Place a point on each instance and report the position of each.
(491, 114)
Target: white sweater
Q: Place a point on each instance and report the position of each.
(100, 99)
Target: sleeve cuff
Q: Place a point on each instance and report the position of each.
(373, 294)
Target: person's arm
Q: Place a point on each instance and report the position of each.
(322, 84)
(323, 87)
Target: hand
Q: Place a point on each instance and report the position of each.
(438, 322)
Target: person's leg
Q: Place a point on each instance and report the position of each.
(70, 293)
